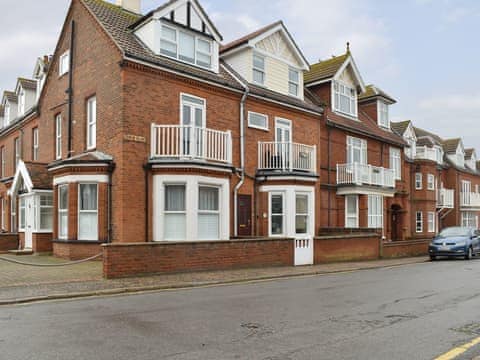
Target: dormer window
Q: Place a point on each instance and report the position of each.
(64, 63)
(344, 99)
(186, 47)
(7, 114)
(21, 102)
(293, 82)
(258, 69)
(383, 119)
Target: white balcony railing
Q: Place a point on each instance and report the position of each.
(287, 156)
(427, 153)
(446, 199)
(469, 199)
(360, 174)
(188, 142)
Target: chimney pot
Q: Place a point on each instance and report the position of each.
(131, 5)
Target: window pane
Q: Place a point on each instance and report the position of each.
(208, 227)
(302, 204)
(63, 197)
(258, 76)
(277, 204)
(258, 62)
(167, 48)
(204, 46)
(175, 198)
(169, 34)
(277, 224)
(208, 199)
(175, 227)
(301, 224)
(62, 224)
(204, 60)
(293, 76)
(88, 197)
(193, 100)
(87, 226)
(186, 47)
(46, 214)
(293, 89)
(257, 120)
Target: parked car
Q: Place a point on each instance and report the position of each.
(455, 242)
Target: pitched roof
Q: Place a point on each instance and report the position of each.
(28, 84)
(425, 141)
(365, 126)
(325, 69)
(10, 96)
(372, 92)
(41, 178)
(424, 133)
(400, 127)
(245, 39)
(116, 21)
(450, 145)
(469, 153)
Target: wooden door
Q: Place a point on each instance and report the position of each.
(245, 215)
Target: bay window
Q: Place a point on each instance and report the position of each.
(46, 212)
(469, 219)
(301, 214)
(375, 211)
(208, 213)
(344, 99)
(63, 212)
(418, 181)
(277, 214)
(88, 211)
(175, 212)
(351, 211)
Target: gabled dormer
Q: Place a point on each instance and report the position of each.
(471, 159)
(2, 118)
(269, 58)
(40, 73)
(376, 103)
(10, 106)
(455, 151)
(406, 131)
(181, 30)
(26, 92)
(337, 82)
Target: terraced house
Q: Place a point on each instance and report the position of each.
(149, 129)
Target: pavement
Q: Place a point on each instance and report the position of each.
(417, 311)
(22, 284)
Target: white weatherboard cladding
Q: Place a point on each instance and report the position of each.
(276, 45)
(347, 77)
(147, 33)
(242, 63)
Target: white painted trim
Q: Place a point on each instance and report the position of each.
(359, 190)
(356, 72)
(78, 165)
(91, 211)
(278, 125)
(289, 178)
(357, 218)
(190, 166)
(83, 178)
(21, 171)
(192, 119)
(255, 126)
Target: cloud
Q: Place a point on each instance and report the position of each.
(454, 103)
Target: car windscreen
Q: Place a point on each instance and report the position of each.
(455, 231)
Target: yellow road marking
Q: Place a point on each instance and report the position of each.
(452, 354)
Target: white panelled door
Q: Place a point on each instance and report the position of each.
(29, 220)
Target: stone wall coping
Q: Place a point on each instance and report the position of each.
(347, 236)
(199, 242)
(77, 242)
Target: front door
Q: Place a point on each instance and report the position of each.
(283, 139)
(29, 220)
(245, 215)
(396, 221)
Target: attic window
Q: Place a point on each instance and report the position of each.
(345, 99)
(258, 69)
(293, 82)
(383, 119)
(186, 47)
(64, 63)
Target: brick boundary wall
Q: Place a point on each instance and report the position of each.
(352, 247)
(8, 242)
(78, 251)
(42, 242)
(123, 260)
(406, 248)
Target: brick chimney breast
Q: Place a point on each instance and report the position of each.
(131, 5)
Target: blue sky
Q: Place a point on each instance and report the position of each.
(422, 52)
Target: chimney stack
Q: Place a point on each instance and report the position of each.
(134, 6)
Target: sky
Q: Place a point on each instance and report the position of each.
(424, 53)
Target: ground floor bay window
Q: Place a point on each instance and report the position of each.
(190, 208)
(88, 212)
(469, 219)
(351, 211)
(35, 214)
(375, 211)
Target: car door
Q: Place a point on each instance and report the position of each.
(476, 241)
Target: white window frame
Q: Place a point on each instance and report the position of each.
(342, 90)
(271, 214)
(3, 204)
(383, 116)
(431, 182)
(3, 164)
(352, 146)
(38, 226)
(16, 149)
(91, 123)
(21, 102)
(418, 181)
(35, 144)
(209, 212)
(258, 69)
(306, 215)
(375, 220)
(13, 214)
(252, 113)
(352, 216)
(293, 82)
(80, 211)
(58, 136)
(173, 212)
(22, 214)
(469, 219)
(431, 222)
(64, 63)
(63, 211)
(6, 114)
(396, 162)
(419, 222)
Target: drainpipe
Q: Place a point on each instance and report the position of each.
(328, 178)
(242, 158)
(70, 89)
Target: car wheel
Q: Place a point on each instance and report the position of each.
(468, 256)
(433, 258)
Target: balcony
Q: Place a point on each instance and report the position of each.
(470, 199)
(360, 174)
(183, 142)
(426, 153)
(446, 199)
(287, 157)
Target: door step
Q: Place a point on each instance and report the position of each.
(21, 252)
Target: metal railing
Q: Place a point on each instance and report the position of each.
(189, 142)
(287, 156)
(469, 199)
(446, 198)
(361, 174)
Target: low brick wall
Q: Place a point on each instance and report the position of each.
(352, 247)
(8, 242)
(42, 243)
(76, 250)
(122, 260)
(406, 248)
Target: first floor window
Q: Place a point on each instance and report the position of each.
(431, 182)
(277, 214)
(469, 219)
(175, 212)
(375, 211)
(88, 212)
(46, 212)
(63, 211)
(356, 150)
(91, 123)
(301, 214)
(208, 213)
(396, 162)
(431, 222)
(35, 145)
(58, 136)
(21, 225)
(351, 211)
(258, 121)
(418, 181)
(419, 222)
